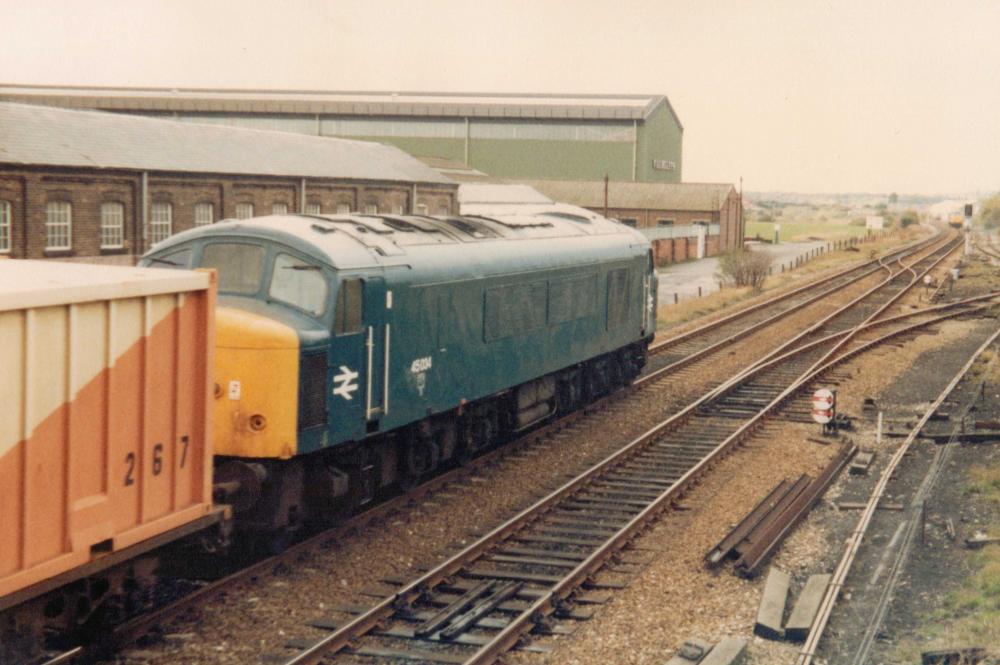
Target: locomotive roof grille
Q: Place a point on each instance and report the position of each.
(472, 227)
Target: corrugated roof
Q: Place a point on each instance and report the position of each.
(490, 105)
(456, 170)
(642, 195)
(474, 193)
(34, 135)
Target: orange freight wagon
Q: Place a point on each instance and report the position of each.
(105, 394)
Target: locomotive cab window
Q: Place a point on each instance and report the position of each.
(299, 284)
(347, 317)
(240, 266)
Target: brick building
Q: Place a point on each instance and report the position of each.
(683, 220)
(102, 186)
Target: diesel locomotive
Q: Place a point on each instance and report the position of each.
(356, 352)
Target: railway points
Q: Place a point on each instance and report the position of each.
(895, 276)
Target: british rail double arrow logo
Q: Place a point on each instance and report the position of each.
(344, 383)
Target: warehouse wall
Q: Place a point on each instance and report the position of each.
(659, 138)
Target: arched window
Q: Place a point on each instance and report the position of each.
(58, 225)
(161, 221)
(112, 225)
(5, 225)
(204, 214)
(279, 208)
(244, 210)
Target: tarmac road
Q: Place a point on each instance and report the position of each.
(685, 278)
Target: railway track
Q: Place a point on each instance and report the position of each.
(985, 246)
(481, 602)
(680, 350)
(854, 543)
(783, 306)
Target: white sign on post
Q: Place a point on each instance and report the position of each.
(823, 404)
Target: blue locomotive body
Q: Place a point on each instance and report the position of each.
(425, 338)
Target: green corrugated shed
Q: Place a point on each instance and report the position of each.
(573, 137)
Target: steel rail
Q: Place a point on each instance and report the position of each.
(817, 327)
(548, 603)
(134, 628)
(873, 264)
(819, 624)
(364, 623)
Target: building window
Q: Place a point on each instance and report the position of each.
(664, 222)
(279, 209)
(343, 208)
(421, 209)
(161, 222)
(371, 209)
(397, 210)
(244, 210)
(444, 209)
(112, 225)
(313, 209)
(204, 214)
(4, 227)
(58, 225)
(628, 221)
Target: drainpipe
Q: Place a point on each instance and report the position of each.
(635, 149)
(413, 200)
(466, 140)
(144, 217)
(302, 196)
(605, 195)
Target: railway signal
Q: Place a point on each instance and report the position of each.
(824, 408)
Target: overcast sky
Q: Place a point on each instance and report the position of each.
(793, 95)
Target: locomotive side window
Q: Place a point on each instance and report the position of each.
(572, 298)
(514, 310)
(240, 266)
(618, 297)
(347, 318)
(298, 284)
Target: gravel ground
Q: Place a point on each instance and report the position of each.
(255, 618)
(677, 598)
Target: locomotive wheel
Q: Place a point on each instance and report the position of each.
(420, 458)
(481, 432)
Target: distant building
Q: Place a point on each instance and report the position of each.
(104, 186)
(874, 222)
(573, 137)
(684, 220)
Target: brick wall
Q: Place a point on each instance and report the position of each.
(728, 217)
(30, 190)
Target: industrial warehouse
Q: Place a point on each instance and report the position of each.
(549, 142)
(575, 137)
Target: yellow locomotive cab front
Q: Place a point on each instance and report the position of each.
(256, 386)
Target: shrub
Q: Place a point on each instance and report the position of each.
(744, 267)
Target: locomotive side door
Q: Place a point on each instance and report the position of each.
(345, 396)
(378, 345)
